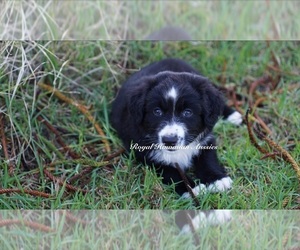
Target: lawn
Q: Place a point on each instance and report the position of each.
(147, 229)
(40, 129)
(118, 20)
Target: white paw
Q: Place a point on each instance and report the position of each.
(196, 190)
(220, 185)
(198, 221)
(218, 217)
(235, 118)
(209, 218)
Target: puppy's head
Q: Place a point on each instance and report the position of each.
(175, 108)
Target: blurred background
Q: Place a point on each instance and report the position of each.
(123, 20)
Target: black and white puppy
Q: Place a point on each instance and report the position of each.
(166, 112)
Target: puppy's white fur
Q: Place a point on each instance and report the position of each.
(196, 191)
(216, 217)
(218, 186)
(198, 221)
(173, 129)
(235, 118)
(172, 93)
(183, 156)
(219, 217)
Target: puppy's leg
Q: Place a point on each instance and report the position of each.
(210, 172)
(171, 175)
(232, 116)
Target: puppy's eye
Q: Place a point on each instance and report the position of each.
(157, 112)
(187, 113)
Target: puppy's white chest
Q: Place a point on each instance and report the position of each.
(182, 156)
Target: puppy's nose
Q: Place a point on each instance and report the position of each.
(170, 140)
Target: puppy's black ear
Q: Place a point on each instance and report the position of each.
(215, 106)
(137, 99)
(213, 102)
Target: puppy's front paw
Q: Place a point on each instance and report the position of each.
(218, 217)
(196, 190)
(235, 118)
(199, 220)
(220, 185)
(204, 218)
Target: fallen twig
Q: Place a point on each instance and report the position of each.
(190, 222)
(114, 155)
(188, 185)
(280, 71)
(31, 224)
(235, 103)
(82, 161)
(4, 145)
(72, 217)
(90, 163)
(259, 101)
(65, 148)
(262, 124)
(81, 108)
(90, 169)
(255, 84)
(251, 135)
(276, 62)
(63, 183)
(272, 155)
(279, 151)
(81, 174)
(26, 191)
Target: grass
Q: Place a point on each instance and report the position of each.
(90, 72)
(115, 20)
(149, 229)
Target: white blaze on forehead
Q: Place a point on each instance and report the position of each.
(172, 93)
(172, 129)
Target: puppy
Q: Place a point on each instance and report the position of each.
(165, 113)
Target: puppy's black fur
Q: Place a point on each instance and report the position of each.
(168, 103)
